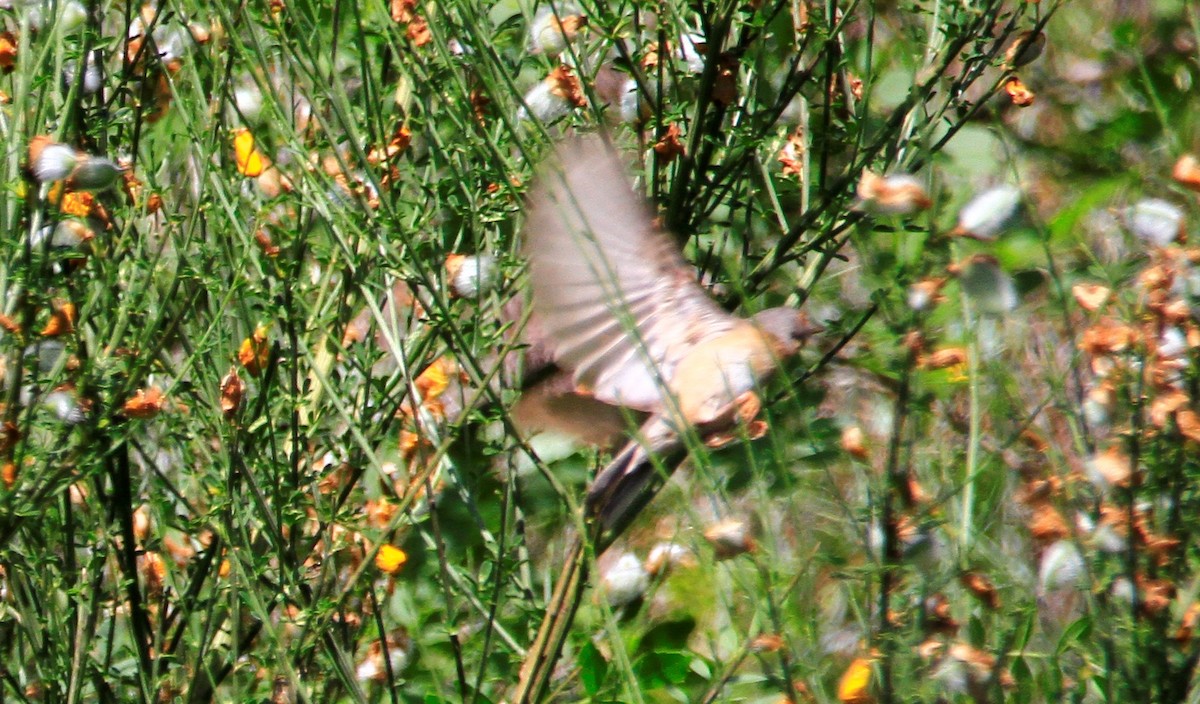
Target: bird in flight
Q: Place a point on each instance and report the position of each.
(620, 307)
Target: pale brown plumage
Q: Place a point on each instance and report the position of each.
(620, 306)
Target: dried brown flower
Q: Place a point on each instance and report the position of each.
(233, 390)
(146, 403)
(669, 146)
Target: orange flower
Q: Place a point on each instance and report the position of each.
(262, 238)
(1187, 172)
(669, 146)
(418, 32)
(1021, 96)
(403, 11)
(62, 321)
(853, 442)
(8, 51)
(981, 587)
(944, 358)
(146, 403)
(390, 559)
(1047, 524)
(255, 352)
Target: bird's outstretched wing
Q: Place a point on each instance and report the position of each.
(613, 292)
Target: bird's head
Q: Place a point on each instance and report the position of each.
(790, 327)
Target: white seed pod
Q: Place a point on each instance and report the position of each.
(374, 669)
(72, 15)
(94, 173)
(926, 294)
(469, 276)
(543, 105)
(65, 234)
(894, 194)
(248, 100)
(553, 29)
(667, 555)
(1154, 221)
(92, 78)
(65, 406)
(987, 285)
(730, 537)
(50, 161)
(984, 216)
(625, 580)
(1062, 567)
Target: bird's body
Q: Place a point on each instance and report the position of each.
(619, 306)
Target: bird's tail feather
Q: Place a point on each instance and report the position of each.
(633, 477)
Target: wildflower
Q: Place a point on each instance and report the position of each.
(1019, 93)
(1107, 337)
(853, 442)
(254, 352)
(403, 11)
(1047, 524)
(944, 358)
(390, 559)
(982, 587)
(1187, 172)
(232, 392)
(926, 294)
(730, 537)
(791, 156)
(625, 580)
(896, 194)
(984, 216)
(470, 276)
(543, 105)
(250, 161)
(418, 32)
(1090, 297)
(62, 320)
(1155, 221)
(146, 403)
(855, 683)
(664, 555)
(373, 668)
(9, 44)
(767, 643)
(669, 146)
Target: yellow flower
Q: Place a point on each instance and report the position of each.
(250, 161)
(390, 559)
(852, 688)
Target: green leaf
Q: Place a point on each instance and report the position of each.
(1075, 633)
(592, 668)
